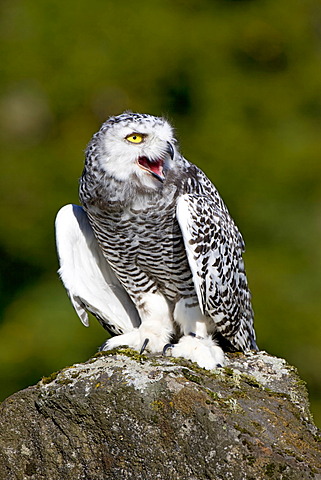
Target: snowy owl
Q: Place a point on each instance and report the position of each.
(153, 252)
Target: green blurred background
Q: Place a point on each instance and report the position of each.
(240, 80)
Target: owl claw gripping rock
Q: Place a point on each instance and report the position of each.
(153, 252)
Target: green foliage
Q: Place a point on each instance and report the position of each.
(240, 81)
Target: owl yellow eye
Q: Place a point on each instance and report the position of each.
(135, 138)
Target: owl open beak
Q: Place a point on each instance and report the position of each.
(154, 167)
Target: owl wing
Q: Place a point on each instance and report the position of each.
(90, 283)
(214, 250)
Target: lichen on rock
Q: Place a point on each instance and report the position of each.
(122, 415)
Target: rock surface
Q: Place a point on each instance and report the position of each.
(125, 416)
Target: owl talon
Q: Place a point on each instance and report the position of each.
(144, 346)
(167, 347)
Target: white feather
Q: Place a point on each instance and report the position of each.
(185, 222)
(90, 282)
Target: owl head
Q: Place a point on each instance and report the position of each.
(134, 146)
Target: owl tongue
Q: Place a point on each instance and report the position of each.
(155, 167)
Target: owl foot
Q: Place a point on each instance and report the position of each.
(203, 351)
(140, 339)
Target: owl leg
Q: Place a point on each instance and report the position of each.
(155, 330)
(196, 343)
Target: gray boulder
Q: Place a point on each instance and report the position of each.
(125, 416)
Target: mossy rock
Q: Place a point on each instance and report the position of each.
(123, 415)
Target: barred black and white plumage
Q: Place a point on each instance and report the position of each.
(159, 228)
